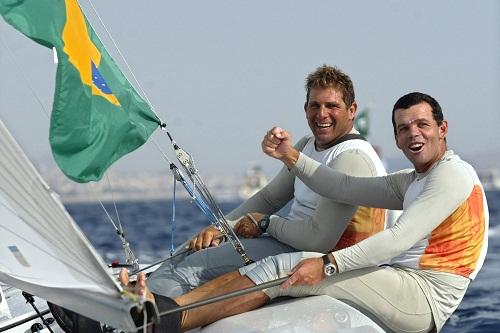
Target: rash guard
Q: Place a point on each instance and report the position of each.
(441, 236)
(315, 223)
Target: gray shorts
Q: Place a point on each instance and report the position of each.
(388, 295)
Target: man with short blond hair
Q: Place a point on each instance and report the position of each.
(313, 223)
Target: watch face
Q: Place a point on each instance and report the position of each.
(330, 269)
(264, 223)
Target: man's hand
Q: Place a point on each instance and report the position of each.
(247, 226)
(210, 236)
(307, 272)
(277, 143)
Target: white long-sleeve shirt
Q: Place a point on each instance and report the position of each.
(441, 237)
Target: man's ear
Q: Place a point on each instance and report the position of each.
(352, 110)
(397, 142)
(443, 129)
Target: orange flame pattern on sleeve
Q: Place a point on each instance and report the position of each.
(366, 222)
(455, 245)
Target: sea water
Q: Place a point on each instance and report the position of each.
(148, 227)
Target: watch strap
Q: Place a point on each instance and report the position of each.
(253, 219)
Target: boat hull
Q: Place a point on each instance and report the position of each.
(308, 314)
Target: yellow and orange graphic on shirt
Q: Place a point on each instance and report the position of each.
(456, 244)
(366, 222)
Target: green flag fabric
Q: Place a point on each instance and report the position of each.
(362, 123)
(97, 116)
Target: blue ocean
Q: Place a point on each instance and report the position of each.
(148, 227)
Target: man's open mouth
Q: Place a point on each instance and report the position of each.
(416, 147)
(324, 125)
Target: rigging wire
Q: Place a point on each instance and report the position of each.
(114, 204)
(173, 225)
(110, 219)
(130, 257)
(162, 153)
(220, 221)
(25, 78)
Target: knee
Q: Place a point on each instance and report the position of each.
(274, 266)
(271, 268)
(168, 287)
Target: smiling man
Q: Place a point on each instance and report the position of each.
(329, 116)
(421, 133)
(313, 223)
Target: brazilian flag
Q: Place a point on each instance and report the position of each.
(97, 116)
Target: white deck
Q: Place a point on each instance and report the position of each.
(310, 314)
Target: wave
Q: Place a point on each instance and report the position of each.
(494, 231)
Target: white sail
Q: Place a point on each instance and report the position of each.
(42, 250)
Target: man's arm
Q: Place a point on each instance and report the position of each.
(322, 231)
(446, 188)
(382, 192)
(379, 192)
(274, 196)
(270, 199)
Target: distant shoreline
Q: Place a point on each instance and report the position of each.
(122, 187)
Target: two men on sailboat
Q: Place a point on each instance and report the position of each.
(435, 249)
(314, 223)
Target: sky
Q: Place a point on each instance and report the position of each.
(221, 73)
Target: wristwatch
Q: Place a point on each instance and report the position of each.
(328, 267)
(264, 223)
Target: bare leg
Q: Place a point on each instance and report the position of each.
(207, 314)
(212, 312)
(207, 289)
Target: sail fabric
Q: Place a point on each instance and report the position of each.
(42, 250)
(97, 116)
